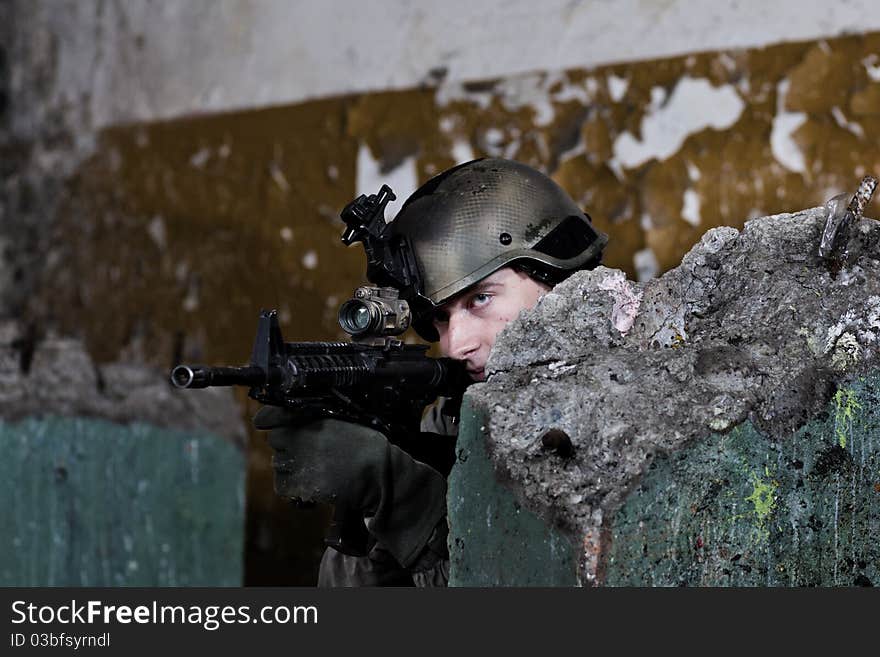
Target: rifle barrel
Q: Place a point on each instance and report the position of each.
(197, 376)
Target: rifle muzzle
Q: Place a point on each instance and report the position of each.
(196, 376)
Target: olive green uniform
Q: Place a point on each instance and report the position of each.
(379, 568)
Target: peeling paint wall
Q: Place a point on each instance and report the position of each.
(198, 223)
(168, 173)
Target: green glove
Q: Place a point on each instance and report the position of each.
(355, 467)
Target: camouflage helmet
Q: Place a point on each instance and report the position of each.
(473, 219)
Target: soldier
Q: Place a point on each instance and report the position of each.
(490, 237)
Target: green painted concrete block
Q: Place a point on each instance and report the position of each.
(88, 502)
(740, 509)
(732, 509)
(494, 540)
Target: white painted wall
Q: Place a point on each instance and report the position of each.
(155, 59)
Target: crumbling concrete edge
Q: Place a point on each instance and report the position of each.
(700, 270)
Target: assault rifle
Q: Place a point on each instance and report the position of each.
(375, 379)
(384, 385)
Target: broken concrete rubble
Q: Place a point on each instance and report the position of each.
(56, 376)
(751, 333)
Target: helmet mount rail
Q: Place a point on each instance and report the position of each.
(390, 260)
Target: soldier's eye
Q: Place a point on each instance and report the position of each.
(480, 299)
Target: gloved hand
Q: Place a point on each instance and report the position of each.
(355, 467)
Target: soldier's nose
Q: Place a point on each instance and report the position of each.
(462, 340)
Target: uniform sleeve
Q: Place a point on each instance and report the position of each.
(379, 568)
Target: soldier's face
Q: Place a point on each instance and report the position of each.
(468, 323)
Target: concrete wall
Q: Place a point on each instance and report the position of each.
(715, 426)
(145, 60)
(110, 480)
